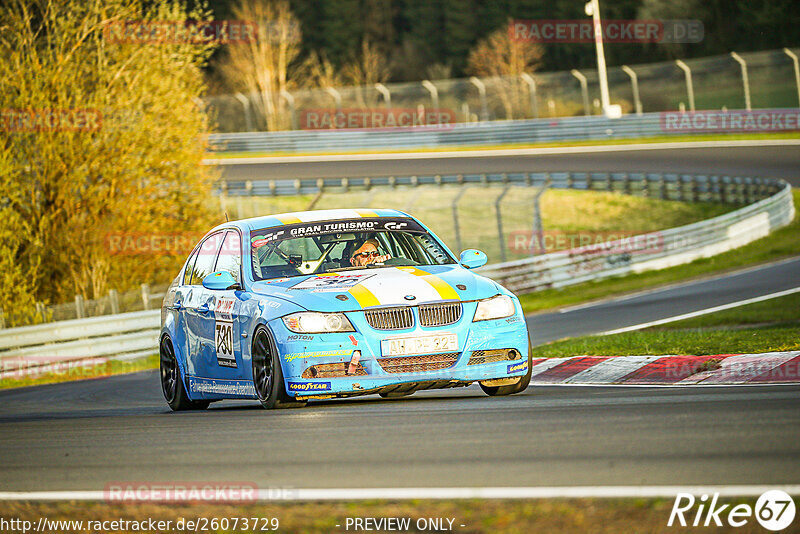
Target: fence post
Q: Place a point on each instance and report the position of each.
(146, 296)
(427, 84)
(527, 78)
(248, 118)
(387, 96)
(689, 85)
(80, 312)
(454, 207)
(114, 298)
(538, 229)
(745, 80)
(499, 215)
(796, 71)
(637, 102)
(482, 92)
(584, 90)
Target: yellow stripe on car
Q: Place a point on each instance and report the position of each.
(364, 296)
(288, 219)
(366, 213)
(444, 289)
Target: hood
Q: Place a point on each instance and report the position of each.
(386, 286)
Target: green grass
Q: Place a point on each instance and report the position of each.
(111, 367)
(555, 144)
(772, 325)
(782, 243)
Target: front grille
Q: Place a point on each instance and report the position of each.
(489, 356)
(418, 364)
(332, 370)
(440, 314)
(399, 318)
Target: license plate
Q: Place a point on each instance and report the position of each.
(410, 346)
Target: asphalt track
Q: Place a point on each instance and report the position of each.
(84, 435)
(763, 161)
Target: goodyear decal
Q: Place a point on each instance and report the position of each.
(518, 367)
(444, 289)
(309, 386)
(318, 354)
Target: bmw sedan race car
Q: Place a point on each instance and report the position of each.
(336, 303)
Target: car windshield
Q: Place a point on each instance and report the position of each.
(328, 246)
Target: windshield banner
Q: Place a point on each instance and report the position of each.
(259, 238)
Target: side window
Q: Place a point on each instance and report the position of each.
(206, 255)
(230, 255)
(187, 274)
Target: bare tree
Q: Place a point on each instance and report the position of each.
(504, 58)
(261, 65)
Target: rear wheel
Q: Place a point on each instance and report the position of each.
(268, 375)
(522, 385)
(171, 381)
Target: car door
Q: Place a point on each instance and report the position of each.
(225, 354)
(199, 315)
(182, 295)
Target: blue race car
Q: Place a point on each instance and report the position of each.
(335, 303)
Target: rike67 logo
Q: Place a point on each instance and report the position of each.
(774, 510)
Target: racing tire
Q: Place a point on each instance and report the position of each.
(172, 381)
(267, 373)
(522, 385)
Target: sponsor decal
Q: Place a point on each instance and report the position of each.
(234, 388)
(309, 386)
(332, 282)
(261, 240)
(300, 337)
(353, 340)
(514, 319)
(518, 367)
(223, 332)
(318, 354)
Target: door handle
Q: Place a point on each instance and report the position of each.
(204, 309)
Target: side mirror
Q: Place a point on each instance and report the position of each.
(472, 259)
(220, 281)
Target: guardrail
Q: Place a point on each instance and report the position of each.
(464, 134)
(770, 206)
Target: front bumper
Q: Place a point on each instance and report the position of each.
(303, 353)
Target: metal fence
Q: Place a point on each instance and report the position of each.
(704, 83)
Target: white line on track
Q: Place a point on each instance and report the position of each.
(367, 156)
(357, 494)
(702, 312)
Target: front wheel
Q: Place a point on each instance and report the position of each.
(171, 381)
(522, 385)
(268, 375)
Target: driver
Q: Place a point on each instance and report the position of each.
(368, 253)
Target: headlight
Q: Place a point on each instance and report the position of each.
(494, 308)
(317, 323)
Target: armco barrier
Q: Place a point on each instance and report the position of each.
(464, 134)
(770, 206)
